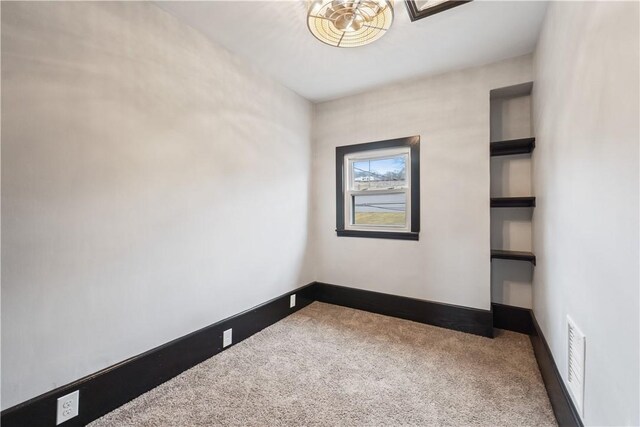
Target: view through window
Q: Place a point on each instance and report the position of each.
(379, 189)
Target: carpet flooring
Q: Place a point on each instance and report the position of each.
(333, 366)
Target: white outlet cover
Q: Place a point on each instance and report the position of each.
(227, 338)
(292, 301)
(68, 406)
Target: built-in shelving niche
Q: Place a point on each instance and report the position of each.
(512, 198)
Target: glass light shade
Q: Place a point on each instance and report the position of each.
(349, 23)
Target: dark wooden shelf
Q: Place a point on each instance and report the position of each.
(513, 255)
(513, 202)
(512, 146)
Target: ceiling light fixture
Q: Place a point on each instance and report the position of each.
(349, 23)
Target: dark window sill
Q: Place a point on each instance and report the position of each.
(403, 235)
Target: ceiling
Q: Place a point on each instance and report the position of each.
(273, 36)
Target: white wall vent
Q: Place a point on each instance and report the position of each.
(575, 364)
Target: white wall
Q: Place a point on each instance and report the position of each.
(451, 113)
(152, 184)
(586, 179)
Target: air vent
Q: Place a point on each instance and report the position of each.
(575, 364)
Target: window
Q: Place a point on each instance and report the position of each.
(378, 189)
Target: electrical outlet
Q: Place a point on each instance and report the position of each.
(68, 407)
(227, 338)
(292, 301)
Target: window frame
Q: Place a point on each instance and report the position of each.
(349, 193)
(344, 158)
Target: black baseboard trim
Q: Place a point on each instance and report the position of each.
(512, 318)
(112, 387)
(465, 319)
(106, 390)
(524, 321)
(563, 407)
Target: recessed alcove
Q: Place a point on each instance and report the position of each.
(511, 193)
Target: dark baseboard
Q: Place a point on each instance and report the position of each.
(522, 320)
(471, 320)
(112, 387)
(512, 318)
(563, 407)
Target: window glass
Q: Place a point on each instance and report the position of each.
(380, 209)
(379, 173)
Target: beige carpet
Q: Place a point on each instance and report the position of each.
(333, 366)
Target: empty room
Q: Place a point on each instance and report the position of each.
(350, 213)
